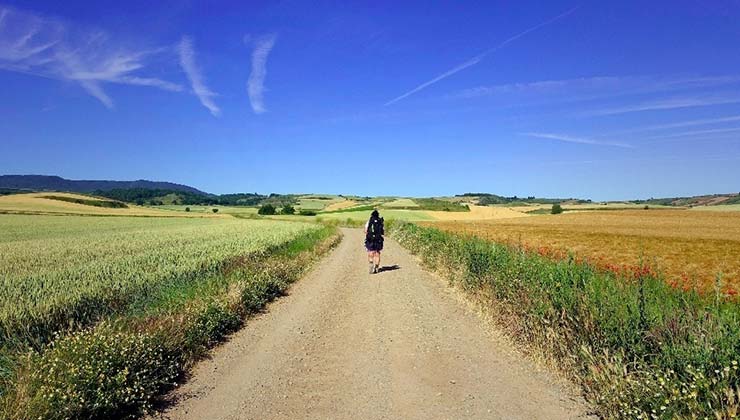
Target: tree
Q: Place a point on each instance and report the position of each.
(288, 209)
(266, 209)
(215, 210)
(556, 209)
(187, 208)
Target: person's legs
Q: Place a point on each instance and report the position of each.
(376, 259)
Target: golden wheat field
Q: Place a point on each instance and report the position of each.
(687, 247)
(38, 203)
(478, 213)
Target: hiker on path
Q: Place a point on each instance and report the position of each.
(374, 240)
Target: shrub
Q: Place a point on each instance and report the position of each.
(288, 209)
(307, 212)
(266, 209)
(215, 210)
(646, 207)
(100, 373)
(187, 208)
(556, 209)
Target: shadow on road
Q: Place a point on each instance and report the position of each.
(389, 268)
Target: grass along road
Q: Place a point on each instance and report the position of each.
(344, 344)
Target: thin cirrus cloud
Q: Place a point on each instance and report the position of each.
(256, 81)
(573, 139)
(678, 136)
(49, 48)
(197, 81)
(595, 87)
(682, 124)
(477, 59)
(664, 104)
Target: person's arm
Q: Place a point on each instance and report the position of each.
(367, 224)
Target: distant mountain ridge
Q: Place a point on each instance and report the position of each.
(56, 183)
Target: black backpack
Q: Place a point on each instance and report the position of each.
(375, 228)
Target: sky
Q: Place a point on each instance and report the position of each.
(600, 100)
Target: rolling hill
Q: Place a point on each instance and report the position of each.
(56, 183)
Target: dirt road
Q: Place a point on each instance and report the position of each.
(348, 345)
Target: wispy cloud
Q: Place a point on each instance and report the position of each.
(49, 48)
(595, 87)
(664, 104)
(256, 82)
(682, 124)
(694, 133)
(197, 82)
(477, 59)
(572, 139)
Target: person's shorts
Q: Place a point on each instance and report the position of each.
(374, 245)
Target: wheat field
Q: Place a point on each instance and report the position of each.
(690, 248)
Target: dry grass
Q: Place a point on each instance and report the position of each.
(681, 244)
(35, 203)
(477, 213)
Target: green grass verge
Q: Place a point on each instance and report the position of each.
(119, 367)
(638, 347)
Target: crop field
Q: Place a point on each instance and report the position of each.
(478, 213)
(401, 202)
(636, 345)
(341, 205)
(179, 209)
(388, 214)
(39, 203)
(55, 270)
(720, 208)
(689, 248)
(317, 202)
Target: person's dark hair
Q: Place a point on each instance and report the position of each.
(375, 213)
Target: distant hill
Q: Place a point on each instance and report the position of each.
(699, 200)
(55, 183)
(485, 199)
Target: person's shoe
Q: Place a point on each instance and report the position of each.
(372, 268)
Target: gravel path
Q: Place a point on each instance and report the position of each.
(348, 345)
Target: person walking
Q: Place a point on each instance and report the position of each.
(374, 232)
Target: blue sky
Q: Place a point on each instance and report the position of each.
(563, 99)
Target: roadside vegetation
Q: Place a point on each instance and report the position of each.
(100, 315)
(639, 347)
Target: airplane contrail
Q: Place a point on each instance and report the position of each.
(475, 60)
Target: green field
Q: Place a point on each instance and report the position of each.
(86, 298)
(721, 207)
(316, 202)
(401, 202)
(57, 269)
(197, 209)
